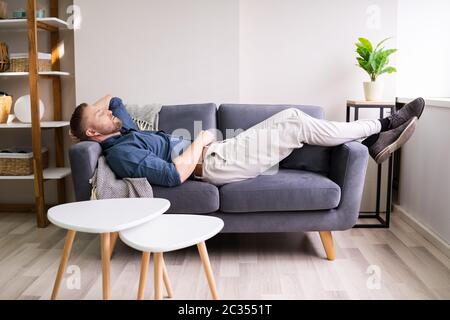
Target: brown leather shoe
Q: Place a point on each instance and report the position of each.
(390, 141)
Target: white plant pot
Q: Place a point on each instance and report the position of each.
(373, 90)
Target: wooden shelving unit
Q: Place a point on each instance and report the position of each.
(31, 25)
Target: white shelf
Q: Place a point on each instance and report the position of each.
(49, 174)
(21, 24)
(44, 125)
(25, 74)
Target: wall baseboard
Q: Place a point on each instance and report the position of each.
(436, 240)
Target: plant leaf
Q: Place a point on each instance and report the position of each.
(388, 70)
(381, 42)
(364, 53)
(389, 52)
(362, 63)
(379, 61)
(366, 43)
(381, 64)
(373, 60)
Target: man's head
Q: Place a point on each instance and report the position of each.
(90, 122)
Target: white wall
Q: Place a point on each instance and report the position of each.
(423, 40)
(295, 51)
(425, 172)
(167, 51)
(424, 69)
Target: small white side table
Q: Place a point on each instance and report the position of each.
(171, 232)
(107, 218)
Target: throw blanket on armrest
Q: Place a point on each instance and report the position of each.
(146, 117)
(105, 184)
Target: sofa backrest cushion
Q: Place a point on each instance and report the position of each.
(244, 116)
(309, 158)
(180, 119)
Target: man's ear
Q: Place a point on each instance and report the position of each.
(91, 133)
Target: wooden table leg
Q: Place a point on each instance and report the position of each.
(106, 253)
(114, 236)
(166, 278)
(143, 276)
(64, 259)
(208, 270)
(158, 275)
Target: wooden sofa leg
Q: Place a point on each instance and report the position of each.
(327, 241)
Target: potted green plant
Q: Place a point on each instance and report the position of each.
(375, 61)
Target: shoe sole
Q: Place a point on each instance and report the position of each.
(401, 140)
(423, 108)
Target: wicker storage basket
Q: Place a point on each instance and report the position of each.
(4, 57)
(19, 62)
(19, 161)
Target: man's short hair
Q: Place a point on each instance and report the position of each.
(77, 127)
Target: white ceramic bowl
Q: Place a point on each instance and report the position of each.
(22, 109)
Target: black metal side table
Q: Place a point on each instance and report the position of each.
(383, 223)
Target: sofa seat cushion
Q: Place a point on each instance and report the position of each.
(288, 190)
(192, 197)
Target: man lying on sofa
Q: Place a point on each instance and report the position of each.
(136, 154)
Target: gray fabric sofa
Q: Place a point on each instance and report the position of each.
(316, 188)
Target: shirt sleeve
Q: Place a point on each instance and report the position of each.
(118, 109)
(139, 163)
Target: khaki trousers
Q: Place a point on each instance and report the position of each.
(259, 149)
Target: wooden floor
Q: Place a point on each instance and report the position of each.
(246, 266)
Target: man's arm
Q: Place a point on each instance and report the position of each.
(140, 163)
(118, 109)
(104, 102)
(185, 164)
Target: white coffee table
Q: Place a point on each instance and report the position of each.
(171, 232)
(107, 218)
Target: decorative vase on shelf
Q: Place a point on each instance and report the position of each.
(40, 13)
(5, 106)
(19, 14)
(373, 90)
(22, 109)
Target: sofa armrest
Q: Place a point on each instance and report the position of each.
(348, 169)
(83, 158)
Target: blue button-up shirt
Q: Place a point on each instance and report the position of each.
(139, 154)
